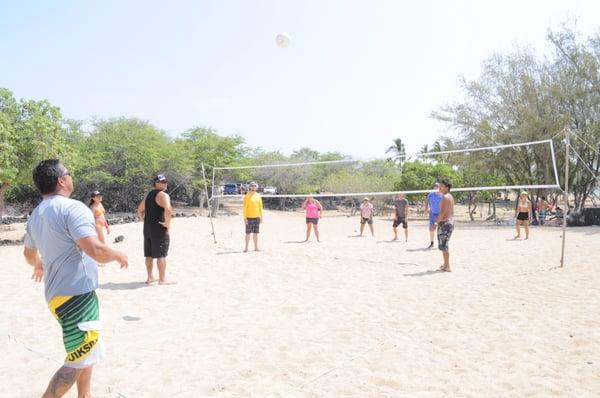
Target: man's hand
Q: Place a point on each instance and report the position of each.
(38, 274)
(122, 260)
(164, 224)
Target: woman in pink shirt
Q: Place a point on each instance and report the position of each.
(314, 210)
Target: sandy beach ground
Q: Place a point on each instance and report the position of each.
(347, 317)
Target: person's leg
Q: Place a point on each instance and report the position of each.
(443, 236)
(395, 233)
(149, 270)
(61, 382)
(100, 233)
(432, 232)
(84, 383)
(446, 255)
(316, 229)
(307, 231)
(362, 228)
(406, 233)
(518, 226)
(526, 224)
(432, 229)
(247, 241)
(161, 264)
(255, 239)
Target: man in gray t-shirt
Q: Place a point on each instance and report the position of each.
(62, 246)
(401, 209)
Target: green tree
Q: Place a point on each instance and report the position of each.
(30, 131)
(398, 151)
(520, 97)
(121, 156)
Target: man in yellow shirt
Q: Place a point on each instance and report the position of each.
(253, 209)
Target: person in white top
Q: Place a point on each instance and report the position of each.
(366, 216)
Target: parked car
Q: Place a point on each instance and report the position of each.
(230, 189)
(270, 190)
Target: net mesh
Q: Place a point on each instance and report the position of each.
(528, 165)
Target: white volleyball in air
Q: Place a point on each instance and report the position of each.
(283, 40)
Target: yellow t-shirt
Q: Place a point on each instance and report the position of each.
(252, 205)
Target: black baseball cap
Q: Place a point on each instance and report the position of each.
(160, 178)
(96, 193)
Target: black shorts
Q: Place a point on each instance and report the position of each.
(311, 220)
(253, 225)
(399, 221)
(523, 216)
(364, 220)
(156, 246)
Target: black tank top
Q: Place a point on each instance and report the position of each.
(153, 214)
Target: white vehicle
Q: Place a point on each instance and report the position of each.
(268, 190)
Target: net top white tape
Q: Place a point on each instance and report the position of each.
(418, 154)
(264, 166)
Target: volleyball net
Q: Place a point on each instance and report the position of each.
(528, 165)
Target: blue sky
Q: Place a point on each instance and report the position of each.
(357, 75)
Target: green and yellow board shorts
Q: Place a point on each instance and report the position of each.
(79, 317)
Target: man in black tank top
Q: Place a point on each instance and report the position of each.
(156, 212)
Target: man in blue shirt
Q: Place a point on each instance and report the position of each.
(62, 246)
(432, 204)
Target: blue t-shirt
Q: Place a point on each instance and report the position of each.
(434, 199)
(53, 229)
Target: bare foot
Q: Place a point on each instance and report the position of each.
(527, 237)
(394, 239)
(445, 268)
(151, 281)
(256, 249)
(246, 250)
(517, 237)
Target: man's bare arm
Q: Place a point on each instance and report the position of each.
(141, 210)
(101, 252)
(164, 201)
(443, 210)
(32, 257)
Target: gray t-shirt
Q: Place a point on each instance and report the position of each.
(400, 205)
(53, 228)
